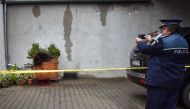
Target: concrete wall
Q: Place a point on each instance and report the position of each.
(2, 45)
(72, 1)
(88, 35)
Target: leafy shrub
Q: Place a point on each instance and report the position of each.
(31, 76)
(1, 78)
(53, 51)
(12, 78)
(34, 50)
(40, 55)
(21, 76)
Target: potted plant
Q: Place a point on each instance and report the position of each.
(3, 82)
(45, 59)
(53, 63)
(21, 79)
(12, 78)
(30, 81)
(31, 78)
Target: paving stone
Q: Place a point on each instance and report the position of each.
(75, 94)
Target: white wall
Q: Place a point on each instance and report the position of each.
(2, 45)
(93, 35)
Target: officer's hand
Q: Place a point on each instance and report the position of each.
(148, 38)
(138, 39)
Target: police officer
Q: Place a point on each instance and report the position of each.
(166, 65)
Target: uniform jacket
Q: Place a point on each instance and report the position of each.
(167, 61)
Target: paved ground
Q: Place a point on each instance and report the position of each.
(75, 94)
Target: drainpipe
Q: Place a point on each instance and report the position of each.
(5, 32)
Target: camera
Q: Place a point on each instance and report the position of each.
(142, 36)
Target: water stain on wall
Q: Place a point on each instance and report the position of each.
(36, 11)
(103, 8)
(67, 23)
(40, 27)
(133, 7)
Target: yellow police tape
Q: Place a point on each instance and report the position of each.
(71, 70)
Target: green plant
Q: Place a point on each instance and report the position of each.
(53, 51)
(34, 50)
(21, 80)
(40, 55)
(21, 77)
(12, 78)
(3, 81)
(31, 76)
(13, 67)
(1, 78)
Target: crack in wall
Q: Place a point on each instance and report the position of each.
(67, 23)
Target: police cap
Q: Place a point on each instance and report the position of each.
(170, 22)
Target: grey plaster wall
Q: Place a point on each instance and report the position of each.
(72, 1)
(2, 45)
(88, 35)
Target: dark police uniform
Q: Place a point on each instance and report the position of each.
(165, 70)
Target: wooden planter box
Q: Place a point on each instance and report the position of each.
(50, 65)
